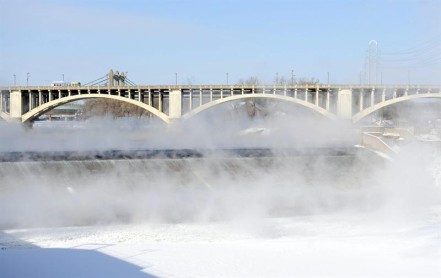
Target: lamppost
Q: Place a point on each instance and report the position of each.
(292, 77)
(15, 80)
(227, 77)
(176, 78)
(27, 78)
(62, 76)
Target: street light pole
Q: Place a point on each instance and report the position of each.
(27, 78)
(15, 80)
(62, 76)
(292, 77)
(176, 78)
(328, 78)
(227, 78)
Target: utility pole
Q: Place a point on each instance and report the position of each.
(27, 78)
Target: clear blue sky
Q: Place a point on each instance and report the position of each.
(202, 40)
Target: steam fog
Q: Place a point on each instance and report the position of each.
(218, 186)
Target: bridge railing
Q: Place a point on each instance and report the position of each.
(180, 87)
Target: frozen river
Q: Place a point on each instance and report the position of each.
(351, 215)
(274, 213)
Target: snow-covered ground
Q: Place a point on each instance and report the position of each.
(334, 245)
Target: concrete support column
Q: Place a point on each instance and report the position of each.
(1, 101)
(383, 95)
(40, 98)
(190, 103)
(175, 104)
(16, 105)
(328, 100)
(159, 100)
(30, 102)
(200, 97)
(344, 104)
(306, 94)
(360, 102)
(150, 97)
(372, 97)
(317, 96)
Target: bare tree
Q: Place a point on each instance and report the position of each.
(308, 81)
(280, 81)
(249, 81)
(114, 108)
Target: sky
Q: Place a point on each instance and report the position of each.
(204, 41)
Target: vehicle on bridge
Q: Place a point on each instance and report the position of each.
(65, 84)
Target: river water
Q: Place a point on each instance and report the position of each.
(222, 213)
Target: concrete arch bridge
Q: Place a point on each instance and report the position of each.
(171, 103)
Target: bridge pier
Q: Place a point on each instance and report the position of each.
(344, 104)
(175, 104)
(16, 106)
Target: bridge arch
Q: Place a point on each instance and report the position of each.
(213, 103)
(366, 112)
(38, 111)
